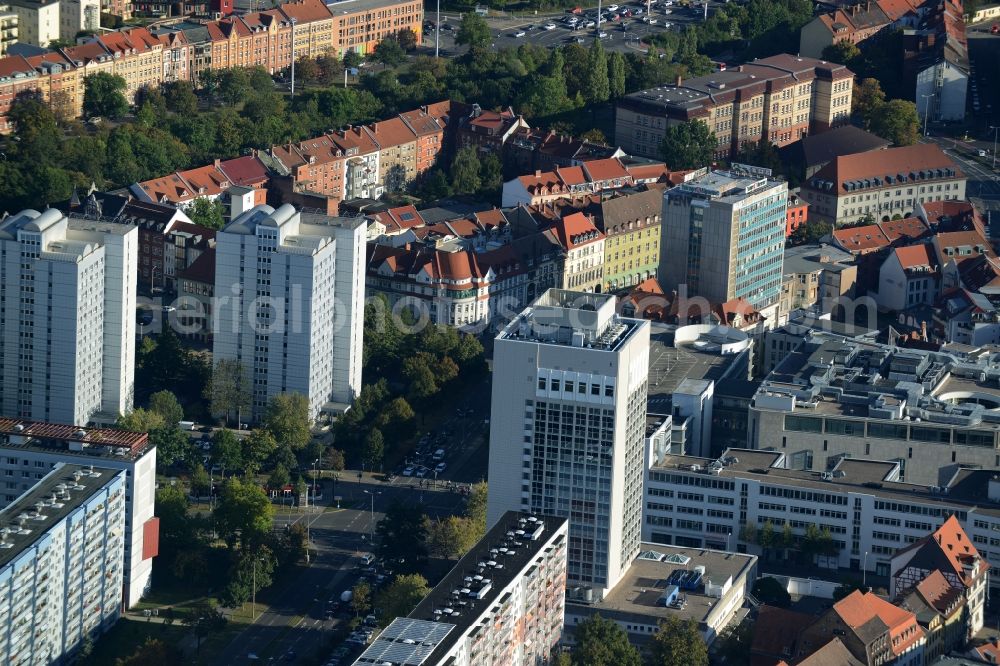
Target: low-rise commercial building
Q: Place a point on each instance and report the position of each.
(880, 184)
(501, 605)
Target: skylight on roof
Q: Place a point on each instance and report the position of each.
(406, 217)
(677, 558)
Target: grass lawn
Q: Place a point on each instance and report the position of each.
(128, 636)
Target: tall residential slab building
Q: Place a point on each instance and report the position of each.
(567, 428)
(67, 322)
(290, 309)
(30, 450)
(723, 236)
(61, 564)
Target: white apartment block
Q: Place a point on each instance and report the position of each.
(501, 605)
(568, 419)
(67, 317)
(289, 290)
(61, 564)
(78, 15)
(704, 503)
(28, 451)
(37, 22)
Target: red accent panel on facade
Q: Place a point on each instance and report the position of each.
(151, 538)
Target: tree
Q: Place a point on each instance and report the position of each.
(361, 600)
(287, 418)
(141, 420)
(153, 652)
(402, 536)
(173, 447)
(334, 460)
(227, 451)
(847, 589)
(595, 135)
(104, 95)
(597, 88)
(734, 644)
(244, 514)
(201, 483)
(601, 642)
(258, 446)
(475, 505)
(175, 526)
(234, 85)
(769, 591)
(465, 171)
(452, 537)
(766, 538)
(279, 478)
(205, 619)
(206, 212)
(843, 52)
(400, 597)
(407, 39)
(688, 145)
(867, 101)
(251, 572)
(307, 69)
(352, 59)
(389, 52)
(228, 390)
(490, 173)
(473, 31)
(432, 186)
(165, 404)
(678, 643)
(180, 97)
(374, 449)
(898, 122)
(616, 75)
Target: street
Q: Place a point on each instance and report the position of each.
(627, 34)
(294, 620)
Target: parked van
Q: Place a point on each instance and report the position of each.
(367, 559)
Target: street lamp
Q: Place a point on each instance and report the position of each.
(437, 31)
(994, 128)
(373, 493)
(927, 105)
(315, 466)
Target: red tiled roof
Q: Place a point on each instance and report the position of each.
(421, 122)
(859, 239)
(859, 608)
(572, 175)
(890, 162)
(355, 138)
(952, 543)
(640, 172)
(392, 132)
(609, 169)
(910, 227)
(13, 65)
(306, 11)
(247, 171)
(576, 230)
(914, 256)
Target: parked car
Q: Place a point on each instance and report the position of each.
(612, 8)
(408, 470)
(520, 33)
(549, 26)
(440, 467)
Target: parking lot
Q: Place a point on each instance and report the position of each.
(624, 28)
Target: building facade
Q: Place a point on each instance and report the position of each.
(568, 426)
(778, 99)
(494, 608)
(728, 229)
(61, 566)
(69, 336)
(295, 282)
(877, 185)
(29, 450)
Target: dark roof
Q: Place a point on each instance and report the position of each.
(201, 269)
(513, 564)
(818, 149)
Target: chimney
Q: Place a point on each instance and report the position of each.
(216, 162)
(538, 173)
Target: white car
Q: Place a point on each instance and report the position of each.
(549, 26)
(408, 471)
(637, 11)
(572, 20)
(520, 33)
(589, 24)
(667, 24)
(612, 8)
(649, 19)
(602, 35)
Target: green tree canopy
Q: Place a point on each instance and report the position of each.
(206, 212)
(452, 537)
(244, 513)
(601, 642)
(474, 31)
(104, 95)
(389, 52)
(898, 122)
(228, 390)
(165, 404)
(227, 451)
(173, 447)
(374, 449)
(678, 643)
(400, 597)
(141, 419)
(258, 447)
(361, 600)
(597, 88)
(844, 52)
(465, 171)
(867, 101)
(287, 418)
(402, 536)
(688, 145)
